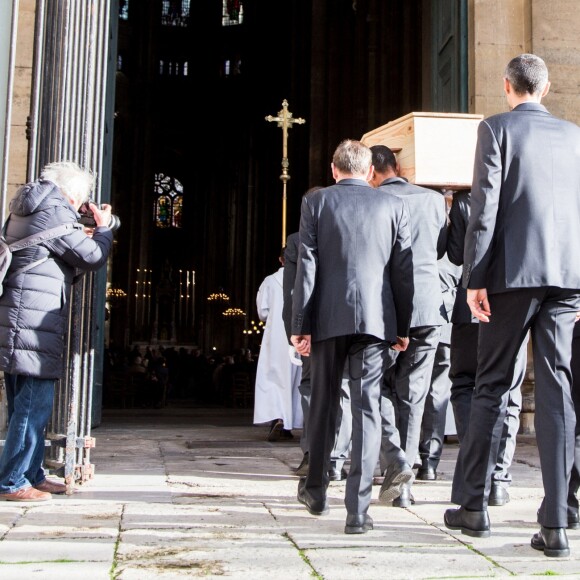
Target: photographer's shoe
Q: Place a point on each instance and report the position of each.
(26, 494)
(51, 486)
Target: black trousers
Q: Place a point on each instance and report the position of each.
(341, 448)
(575, 475)
(549, 314)
(366, 360)
(462, 372)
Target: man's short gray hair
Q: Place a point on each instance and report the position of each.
(527, 74)
(352, 157)
(73, 181)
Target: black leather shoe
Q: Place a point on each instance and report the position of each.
(471, 523)
(358, 524)
(552, 541)
(426, 473)
(406, 499)
(498, 495)
(573, 518)
(316, 508)
(335, 474)
(396, 476)
(302, 469)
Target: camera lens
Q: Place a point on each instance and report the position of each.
(114, 222)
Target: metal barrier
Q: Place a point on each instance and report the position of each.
(71, 118)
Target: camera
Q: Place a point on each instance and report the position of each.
(88, 218)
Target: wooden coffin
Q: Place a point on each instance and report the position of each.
(433, 149)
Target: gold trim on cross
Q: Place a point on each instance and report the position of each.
(285, 121)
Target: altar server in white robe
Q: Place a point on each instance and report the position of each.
(277, 398)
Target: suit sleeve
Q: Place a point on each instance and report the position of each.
(402, 274)
(288, 279)
(456, 230)
(307, 265)
(485, 196)
(442, 238)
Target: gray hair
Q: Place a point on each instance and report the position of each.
(352, 157)
(527, 74)
(73, 181)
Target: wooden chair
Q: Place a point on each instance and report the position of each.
(242, 390)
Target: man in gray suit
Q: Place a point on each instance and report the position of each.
(437, 400)
(408, 381)
(352, 303)
(519, 275)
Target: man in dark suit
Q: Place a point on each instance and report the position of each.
(463, 369)
(352, 302)
(408, 381)
(341, 449)
(523, 229)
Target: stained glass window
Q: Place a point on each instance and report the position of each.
(168, 204)
(232, 12)
(124, 9)
(175, 12)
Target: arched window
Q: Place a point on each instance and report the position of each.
(175, 12)
(168, 205)
(232, 12)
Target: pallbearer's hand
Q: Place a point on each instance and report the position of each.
(478, 304)
(301, 343)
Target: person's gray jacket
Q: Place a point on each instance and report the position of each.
(450, 280)
(525, 203)
(34, 305)
(355, 270)
(428, 221)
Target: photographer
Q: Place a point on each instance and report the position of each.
(34, 315)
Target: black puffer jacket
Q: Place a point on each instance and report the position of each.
(34, 305)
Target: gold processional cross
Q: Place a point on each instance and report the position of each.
(285, 120)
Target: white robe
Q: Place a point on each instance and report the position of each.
(277, 379)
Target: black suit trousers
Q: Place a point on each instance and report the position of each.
(549, 314)
(575, 476)
(366, 359)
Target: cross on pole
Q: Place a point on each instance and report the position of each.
(285, 121)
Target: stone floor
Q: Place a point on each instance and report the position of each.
(187, 493)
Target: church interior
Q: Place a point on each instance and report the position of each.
(196, 174)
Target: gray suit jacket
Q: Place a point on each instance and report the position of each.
(428, 220)
(525, 203)
(355, 271)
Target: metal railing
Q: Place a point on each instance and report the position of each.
(71, 119)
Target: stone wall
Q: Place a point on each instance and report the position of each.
(498, 31)
(556, 38)
(502, 29)
(18, 147)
